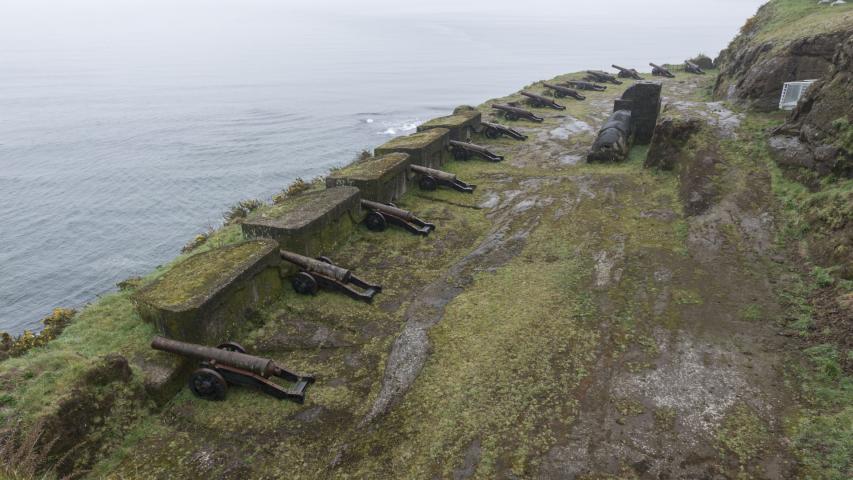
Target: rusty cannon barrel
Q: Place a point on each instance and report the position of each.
(514, 113)
(540, 101)
(439, 174)
(397, 212)
(313, 265)
(693, 68)
(627, 72)
(561, 91)
(583, 85)
(603, 77)
(257, 365)
(660, 71)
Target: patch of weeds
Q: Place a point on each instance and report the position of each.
(665, 418)
(298, 186)
(825, 359)
(241, 210)
(823, 276)
(629, 408)
(742, 433)
(751, 312)
(686, 297)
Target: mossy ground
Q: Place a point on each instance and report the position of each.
(588, 338)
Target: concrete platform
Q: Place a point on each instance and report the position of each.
(310, 224)
(382, 179)
(428, 148)
(207, 297)
(461, 125)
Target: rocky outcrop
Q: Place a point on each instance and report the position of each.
(669, 141)
(753, 75)
(817, 134)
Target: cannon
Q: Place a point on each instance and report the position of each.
(561, 92)
(582, 85)
(380, 215)
(540, 101)
(230, 364)
(514, 113)
(315, 273)
(691, 67)
(613, 141)
(465, 150)
(496, 130)
(430, 179)
(627, 72)
(601, 77)
(659, 71)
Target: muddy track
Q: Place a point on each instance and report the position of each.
(411, 348)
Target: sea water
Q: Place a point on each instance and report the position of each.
(126, 128)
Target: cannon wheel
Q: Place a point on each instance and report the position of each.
(208, 384)
(558, 94)
(326, 260)
(461, 154)
(511, 116)
(305, 284)
(492, 133)
(231, 347)
(427, 183)
(376, 222)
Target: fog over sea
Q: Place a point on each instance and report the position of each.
(127, 127)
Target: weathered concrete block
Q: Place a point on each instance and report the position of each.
(613, 141)
(207, 297)
(309, 224)
(643, 100)
(461, 125)
(382, 179)
(428, 148)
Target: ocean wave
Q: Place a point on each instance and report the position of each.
(400, 129)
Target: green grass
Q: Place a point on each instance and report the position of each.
(785, 20)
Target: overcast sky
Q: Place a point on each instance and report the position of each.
(43, 21)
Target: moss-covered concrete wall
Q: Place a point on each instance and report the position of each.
(383, 179)
(206, 297)
(428, 148)
(461, 125)
(311, 223)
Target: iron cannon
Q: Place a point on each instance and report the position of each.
(582, 85)
(628, 72)
(496, 130)
(230, 364)
(560, 91)
(380, 215)
(321, 272)
(660, 71)
(514, 113)
(601, 77)
(540, 101)
(465, 150)
(691, 67)
(431, 178)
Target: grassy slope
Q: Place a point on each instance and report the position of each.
(487, 341)
(781, 21)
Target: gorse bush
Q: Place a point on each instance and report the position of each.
(298, 186)
(53, 325)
